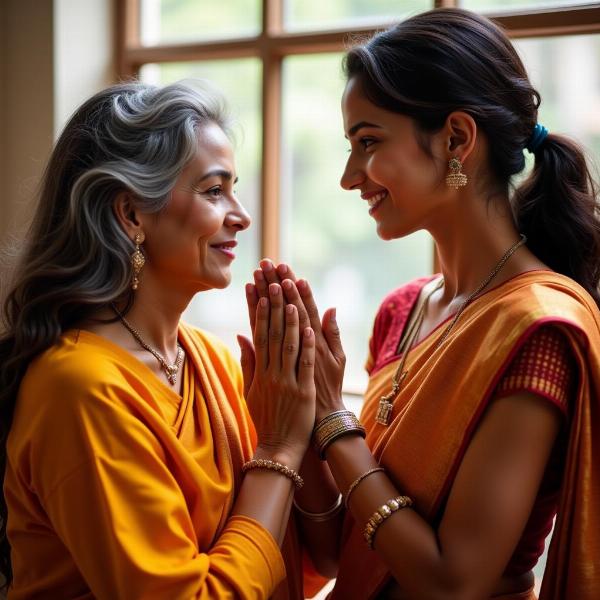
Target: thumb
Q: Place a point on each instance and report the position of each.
(247, 361)
(331, 332)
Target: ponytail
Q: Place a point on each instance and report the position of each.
(556, 208)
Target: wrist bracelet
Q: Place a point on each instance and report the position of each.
(334, 426)
(381, 514)
(321, 516)
(355, 483)
(261, 463)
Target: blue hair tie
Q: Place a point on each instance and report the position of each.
(537, 138)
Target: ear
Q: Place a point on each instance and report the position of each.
(461, 135)
(127, 214)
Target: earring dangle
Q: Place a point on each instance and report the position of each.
(456, 179)
(137, 260)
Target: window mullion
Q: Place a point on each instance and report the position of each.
(271, 130)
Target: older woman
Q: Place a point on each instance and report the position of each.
(125, 434)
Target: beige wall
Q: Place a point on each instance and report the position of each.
(27, 115)
(53, 55)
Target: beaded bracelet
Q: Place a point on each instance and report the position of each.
(321, 516)
(353, 485)
(381, 514)
(333, 426)
(262, 463)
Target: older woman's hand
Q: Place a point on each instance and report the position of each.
(279, 377)
(330, 359)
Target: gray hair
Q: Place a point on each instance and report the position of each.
(133, 137)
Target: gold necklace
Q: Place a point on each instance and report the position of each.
(171, 370)
(386, 402)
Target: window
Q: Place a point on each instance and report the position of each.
(278, 62)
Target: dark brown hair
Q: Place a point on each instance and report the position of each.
(451, 59)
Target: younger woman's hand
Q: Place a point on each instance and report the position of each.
(330, 359)
(281, 395)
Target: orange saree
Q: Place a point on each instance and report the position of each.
(444, 398)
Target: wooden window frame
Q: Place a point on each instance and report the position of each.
(273, 44)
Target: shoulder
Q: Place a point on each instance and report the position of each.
(538, 297)
(72, 366)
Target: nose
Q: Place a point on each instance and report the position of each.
(237, 217)
(352, 176)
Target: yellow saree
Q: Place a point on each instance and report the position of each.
(445, 396)
(117, 487)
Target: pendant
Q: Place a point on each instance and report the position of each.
(171, 371)
(386, 403)
(384, 412)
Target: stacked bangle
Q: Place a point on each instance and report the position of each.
(272, 465)
(381, 514)
(334, 426)
(355, 483)
(322, 516)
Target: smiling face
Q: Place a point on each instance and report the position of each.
(402, 184)
(190, 244)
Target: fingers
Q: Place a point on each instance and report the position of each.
(247, 361)
(293, 297)
(306, 365)
(331, 332)
(261, 284)
(310, 305)
(285, 272)
(252, 298)
(291, 342)
(261, 335)
(276, 326)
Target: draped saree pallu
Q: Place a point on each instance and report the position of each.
(443, 399)
(125, 489)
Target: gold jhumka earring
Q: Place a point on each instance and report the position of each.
(456, 179)
(137, 260)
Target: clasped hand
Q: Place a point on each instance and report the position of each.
(280, 288)
(279, 377)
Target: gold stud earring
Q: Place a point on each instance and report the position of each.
(137, 260)
(456, 179)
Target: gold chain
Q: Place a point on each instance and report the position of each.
(384, 411)
(172, 370)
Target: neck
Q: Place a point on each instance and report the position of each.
(470, 242)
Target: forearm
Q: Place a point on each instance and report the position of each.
(420, 566)
(320, 492)
(266, 495)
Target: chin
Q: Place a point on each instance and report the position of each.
(222, 282)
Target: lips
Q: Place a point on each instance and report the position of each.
(226, 247)
(374, 199)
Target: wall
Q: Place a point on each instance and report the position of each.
(53, 55)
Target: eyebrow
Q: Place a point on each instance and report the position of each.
(223, 173)
(352, 131)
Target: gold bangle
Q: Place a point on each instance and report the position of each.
(381, 514)
(262, 463)
(321, 516)
(333, 426)
(355, 483)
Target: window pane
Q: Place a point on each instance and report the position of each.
(224, 312)
(178, 21)
(316, 14)
(506, 5)
(328, 235)
(566, 72)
